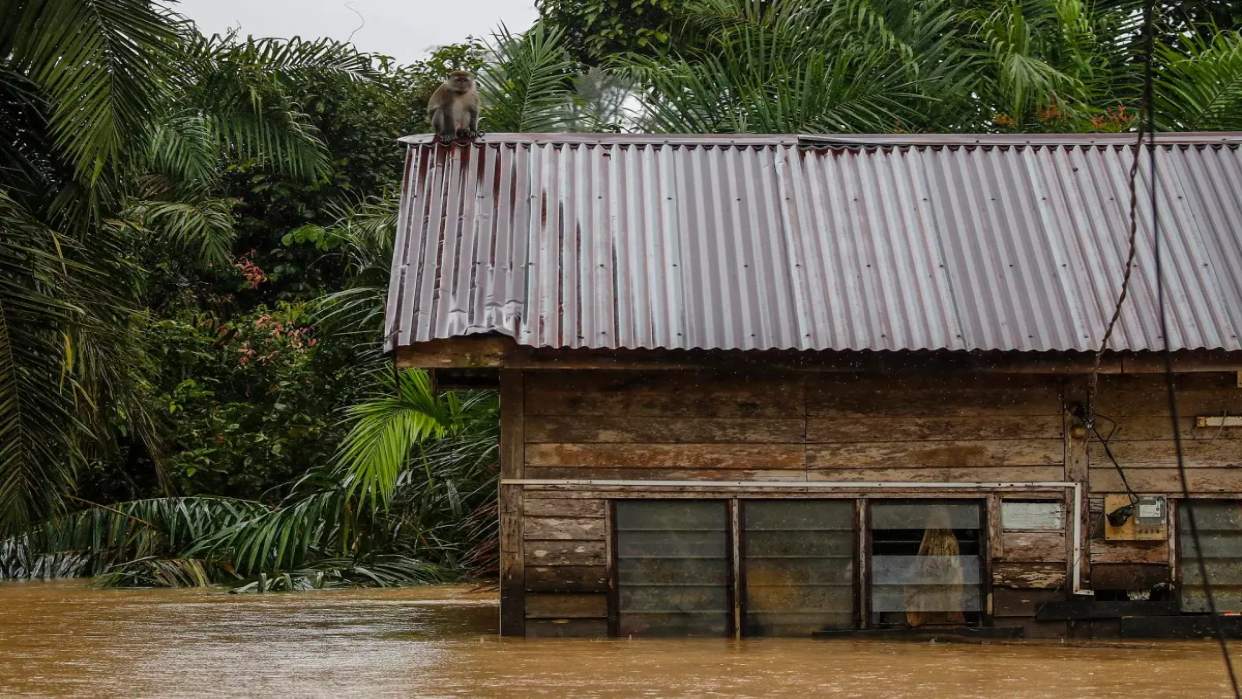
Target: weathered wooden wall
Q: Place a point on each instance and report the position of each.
(566, 552)
(820, 426)
(707, 426)
(1140, 436)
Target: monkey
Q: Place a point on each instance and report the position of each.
(454, 107)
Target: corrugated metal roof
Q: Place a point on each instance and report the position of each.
(955, 242)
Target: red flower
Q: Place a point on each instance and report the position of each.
(253, 273)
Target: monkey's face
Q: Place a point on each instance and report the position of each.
(460, 81)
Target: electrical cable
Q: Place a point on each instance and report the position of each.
(1120, 472)
(1133, 246)
(1093, 379)
(1170, 382)
(1147, 132)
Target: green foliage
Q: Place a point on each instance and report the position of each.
(526, 86)
(901, 65)
(122, 120)
(1200, 84)
(597, 29)
(387, 428)
(249, 403)
(92, 541)
(790, 67)
(196, 233)
(101, 66)
(200, 228)
(36, 406)
(328, 530)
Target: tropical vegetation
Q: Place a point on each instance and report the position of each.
(195, 235)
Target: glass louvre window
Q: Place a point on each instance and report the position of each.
(926, 568)
(673, 568)
(797, 566)
(1220, 534)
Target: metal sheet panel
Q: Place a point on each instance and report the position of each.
(821, 243)
(1033, 516)
(797, 566)
(1220, 535)
(673, 564)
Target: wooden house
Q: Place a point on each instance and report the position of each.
(782, 385)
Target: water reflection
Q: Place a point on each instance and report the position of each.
(70, 640)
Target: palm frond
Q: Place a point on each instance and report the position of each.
(101, 65)
(777, 70)
(284, 140)
(526, 86)
(1199, 83)
(281, 539)
(254, 61)
(37, 416)
(386, 430)
(365, 232)
(186, 149)
(99, 537)
(201, 229)
(157, 571)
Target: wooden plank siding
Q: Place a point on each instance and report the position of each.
(512, 461)
(1142, 440)
(700, 425)
(707, 426)
(566, 555)
(1140, 434)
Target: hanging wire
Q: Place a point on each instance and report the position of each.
(1132, 246)
(1093, 379)
(1146, 136)
(1089, 414)
(1149, 124)
(1129, 257)
(1108, 451)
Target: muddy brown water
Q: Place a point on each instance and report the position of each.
(68, 639)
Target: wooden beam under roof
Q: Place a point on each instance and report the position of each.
(484, 352)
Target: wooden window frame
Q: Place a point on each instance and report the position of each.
(863, 567)
(985, 554)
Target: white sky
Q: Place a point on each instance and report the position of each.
(404, 29)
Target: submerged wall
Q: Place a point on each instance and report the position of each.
(720, 435)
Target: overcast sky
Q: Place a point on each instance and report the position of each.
(404, 29)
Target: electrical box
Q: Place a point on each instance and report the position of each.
(1147, 520)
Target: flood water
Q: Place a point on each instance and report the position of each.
(67, 639)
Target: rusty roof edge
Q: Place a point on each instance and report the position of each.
(621, 139)
(1025, 139)
(919, 139)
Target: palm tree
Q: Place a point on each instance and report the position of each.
(849, 66)
(116, 115)
(389, 509)
(929, 65)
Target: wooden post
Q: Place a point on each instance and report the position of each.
(996, 548)
(735, 539)
(1077, 470)
(862, 556)
(512, 465)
